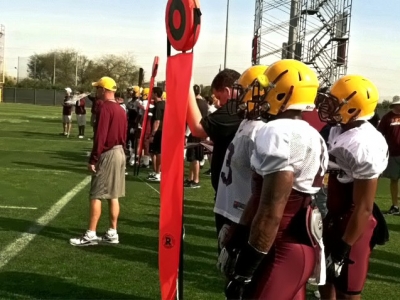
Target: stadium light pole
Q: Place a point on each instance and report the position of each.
(16, 68)
(226, 32)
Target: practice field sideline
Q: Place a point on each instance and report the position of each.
(44, 202)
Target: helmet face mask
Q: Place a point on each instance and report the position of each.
(247, 108)
(328, 108)
(247, 92)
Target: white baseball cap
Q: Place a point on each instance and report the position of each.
(68, 90)
(396, 100)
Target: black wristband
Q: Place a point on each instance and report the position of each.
(248, 261)
(239, 238)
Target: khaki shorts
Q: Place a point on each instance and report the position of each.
(109, 180)
(81, 120)
(67, 119)
(393, 168)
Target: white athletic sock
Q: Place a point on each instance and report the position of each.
(146, 160)
(91, 233)
(112, 231)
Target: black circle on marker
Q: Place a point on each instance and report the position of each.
(177, 33)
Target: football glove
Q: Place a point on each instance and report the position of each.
(247, 263)
(226, 262)
(235, 288)
(231, 243)
(336, 259)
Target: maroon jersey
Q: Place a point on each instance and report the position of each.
(80, 107)
(67, 108)
(111, 129)
(389, 126)
(312, 118)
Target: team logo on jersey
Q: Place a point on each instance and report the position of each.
(238, 205)
(395, 122)
(168, 241)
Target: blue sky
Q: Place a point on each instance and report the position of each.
(137, 26)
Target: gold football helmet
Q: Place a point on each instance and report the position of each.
(291, 85)
(145, 94)
(351, 98)
(246, 92)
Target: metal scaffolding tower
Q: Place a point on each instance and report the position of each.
(2, 33)
(315, 32)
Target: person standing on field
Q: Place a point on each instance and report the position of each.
(389, 126)
(80, 111)
(107, 164)
(67, 112)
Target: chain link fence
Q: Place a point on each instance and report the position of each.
(35, 96)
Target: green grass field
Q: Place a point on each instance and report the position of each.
(38, 168)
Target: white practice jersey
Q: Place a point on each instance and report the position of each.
(144, 104)
(361, 152)
(291, 145)
(234, 187)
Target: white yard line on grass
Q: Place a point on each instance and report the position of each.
(18, 245)
(17, 207)
(36, 170)
(150, 186)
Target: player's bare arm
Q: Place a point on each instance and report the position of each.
(250, 211)
(275, 193)
(364, 191)
(251, 208)
(194, 117)
(155, 127)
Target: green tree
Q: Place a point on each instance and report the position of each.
(385, 104)
(70, 67)
(122, 68)
(9, 81)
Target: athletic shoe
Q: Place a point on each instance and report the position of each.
(394, 210)
(87, 239)
(155, 178)
(193, 185)
(110, 237)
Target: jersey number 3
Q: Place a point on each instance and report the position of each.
(227, 179)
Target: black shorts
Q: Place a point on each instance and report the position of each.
(155, 146)
(195, 153)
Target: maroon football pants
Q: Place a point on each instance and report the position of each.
(284, 273)
(353, 276)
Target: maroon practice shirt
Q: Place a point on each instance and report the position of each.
(67, 108)
(390, 128)
(111, 130)
(80, 107)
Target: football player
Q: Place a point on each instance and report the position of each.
(289, 159)
(145, 99)
(234, 187)
(359, 153)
